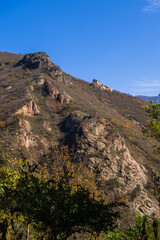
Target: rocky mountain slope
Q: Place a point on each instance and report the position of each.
(41, 106)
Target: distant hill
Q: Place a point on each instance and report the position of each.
(156, 99)
(41, 106)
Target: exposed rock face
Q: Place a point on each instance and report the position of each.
(95, 83)
(58, 94)
(29, 109)
(39, 60)
(66, 80)
(35, 60)
(40, 81)
(26, 137)
(61, 96)
(106, 154)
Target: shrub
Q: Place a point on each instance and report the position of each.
(2, 124)
(68, 105)
(22, 115)
(8, 62)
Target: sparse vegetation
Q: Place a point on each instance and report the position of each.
(8, 62)
(68, 105)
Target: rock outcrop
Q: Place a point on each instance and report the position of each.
(26, 138)
(29, 109)
(39, 60)
(57, 94)
(35, 60)
(60, 96)
(96, 84)
(105, 152)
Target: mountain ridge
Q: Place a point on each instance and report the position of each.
(41, 106)
(156, 99)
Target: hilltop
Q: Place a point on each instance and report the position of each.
(42, 106)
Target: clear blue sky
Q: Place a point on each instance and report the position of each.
(114, 41)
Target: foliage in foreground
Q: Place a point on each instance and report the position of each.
(53, 201)
(143, 230)
(38, 204)
(153, 128)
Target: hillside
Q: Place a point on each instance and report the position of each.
(41, 106)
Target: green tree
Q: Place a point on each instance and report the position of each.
(58, 211)
(155, 226)
(36, 204)
(143, 230)
(153, 127)
(9, 176)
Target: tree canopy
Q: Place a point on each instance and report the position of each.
(153, 126)
(44, 202)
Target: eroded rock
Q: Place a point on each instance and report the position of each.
(96, 84)
(39, 60)
(117, 172)
(26, 138)
(57, 94)
(29, 109)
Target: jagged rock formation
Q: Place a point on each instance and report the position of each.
(96, 84)
(61, 96)
(58, 94)
(39, 60)
(29, 109)
(35, 60)
(117, 172)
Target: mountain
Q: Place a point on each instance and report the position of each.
(41, 106)
(156, 99)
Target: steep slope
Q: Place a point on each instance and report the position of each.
(41, 106)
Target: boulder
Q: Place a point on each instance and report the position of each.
(96, 84)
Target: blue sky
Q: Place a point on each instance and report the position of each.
(114, 41)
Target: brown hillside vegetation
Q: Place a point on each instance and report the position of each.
(42, 106)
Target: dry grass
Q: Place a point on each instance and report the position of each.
(125, 112)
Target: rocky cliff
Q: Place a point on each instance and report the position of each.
(118, 174)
